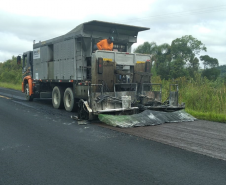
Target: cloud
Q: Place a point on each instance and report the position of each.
(9, 43)
(25, 21)
(70, 9)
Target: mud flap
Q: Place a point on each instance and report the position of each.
(84, 112)
(145, 118)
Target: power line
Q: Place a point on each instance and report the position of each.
(184, 13)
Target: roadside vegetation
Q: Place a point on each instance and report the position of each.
(11, 86)
(202, 90)
(10, 74)
(204, 99)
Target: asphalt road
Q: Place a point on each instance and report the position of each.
(42, 145)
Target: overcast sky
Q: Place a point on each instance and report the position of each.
(22, 21)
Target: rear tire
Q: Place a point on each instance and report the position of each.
(27, 96)
(69, 101)
(57, 97)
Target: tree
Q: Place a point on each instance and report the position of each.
(209, 62)
(175, 60)
(178, 69)
(193, 67)
(222, 69)
(161, 57)
(210, 71)
(211, 74)
(163, 60)
(143, 48)
(186, 48)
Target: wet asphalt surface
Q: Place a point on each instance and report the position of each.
(42, 145)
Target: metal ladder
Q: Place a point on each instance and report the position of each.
(79, 57)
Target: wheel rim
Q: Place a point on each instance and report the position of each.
(68, 100)
(27, 91)
(56, 98)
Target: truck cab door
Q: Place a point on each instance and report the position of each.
(27, 65)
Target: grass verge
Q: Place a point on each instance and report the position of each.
(210, 116)
(10, 86)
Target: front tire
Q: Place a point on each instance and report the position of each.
(57, 97)
(27, 96)
(69, 101)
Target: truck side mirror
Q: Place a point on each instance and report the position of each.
(18, 60)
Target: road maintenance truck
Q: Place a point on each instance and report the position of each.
(70, 70)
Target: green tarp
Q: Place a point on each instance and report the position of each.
(145, 118)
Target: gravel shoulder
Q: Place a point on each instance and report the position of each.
(203, 137)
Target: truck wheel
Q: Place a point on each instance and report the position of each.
(27, 96)
(57, 97)
(69, 100)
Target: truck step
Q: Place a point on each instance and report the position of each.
(46, 95)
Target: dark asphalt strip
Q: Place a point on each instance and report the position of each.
(40, 148)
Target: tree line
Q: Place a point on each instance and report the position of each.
(10, 72)
(180, 58)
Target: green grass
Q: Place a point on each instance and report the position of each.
(10, 86)
(207, 116)
(203, 99)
